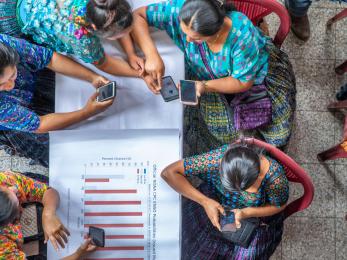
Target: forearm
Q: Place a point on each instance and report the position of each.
(180, 184)
(263, 211)
(56, 121)
(141, 34)
(127, 45)
(64, 65)
(117, 67)
(74, 256)
(227, 85)
(50, 201)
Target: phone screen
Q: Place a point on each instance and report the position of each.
(169, 90)
(107, 91)
(97, 235)
(227, 222)
(188, 91)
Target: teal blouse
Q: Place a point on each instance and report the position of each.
(243, 55)
(61, 26)
(274, 189)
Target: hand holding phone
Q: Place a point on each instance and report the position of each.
(97, 235)
(169, 90)
(106, 92)
(187, 92)
(227, 221)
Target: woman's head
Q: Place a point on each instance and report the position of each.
(9, 209)
(110, 19)
(9, 59)
(202, 19)
(240, 167)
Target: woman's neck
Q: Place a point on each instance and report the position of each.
(216, 44)
(264, 168)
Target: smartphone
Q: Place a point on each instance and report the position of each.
(187, 92)
(227, 221)
(106, 92)
(169, 90)
(97, 235)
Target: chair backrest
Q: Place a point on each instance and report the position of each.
(294, 173)
(255, 10)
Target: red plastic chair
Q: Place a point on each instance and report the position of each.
(294, 173)
(255, 10)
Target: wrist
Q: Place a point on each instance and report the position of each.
(47, 212)
(204, 85)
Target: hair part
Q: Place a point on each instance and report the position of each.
(8, 210)
(8, 57)
(205, 17)
(240, 167)
(110, 17)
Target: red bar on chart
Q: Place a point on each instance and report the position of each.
(97, 180)
(120, 248)
(109, 191)
(110, 202)
(113, 225)
(112, 214)
(124, 236)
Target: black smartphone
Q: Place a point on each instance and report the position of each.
(227, 221)
(97, 235)
(106, 92)
(169, 90)
(187, 92)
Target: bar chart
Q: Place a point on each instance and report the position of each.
(115, 199)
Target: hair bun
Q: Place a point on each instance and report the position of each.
(105, 4)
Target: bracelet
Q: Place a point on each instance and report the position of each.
(204, 84)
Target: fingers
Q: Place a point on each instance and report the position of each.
(60, 240)
(93, 97)
(66, 230)
(159, 79)
(221, 210)
(54, 243)
(215, 222)
(63, 235)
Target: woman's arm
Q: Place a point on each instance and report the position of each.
(117, 67)
(86, 248)
(135, 61)
(56, 121)
(174, 176)
(67, 66)
(53, 229)
(227, 85)
(154, 64)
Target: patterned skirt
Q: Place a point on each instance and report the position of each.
(31, 145)
(211, 125)
(201, 240)
(8, 18)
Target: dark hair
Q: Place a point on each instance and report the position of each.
(8, 57)
(205, 17)
(240, 167)
(8, 210)
(109, 16)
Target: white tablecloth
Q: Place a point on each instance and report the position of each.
(135, 106)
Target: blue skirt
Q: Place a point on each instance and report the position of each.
(201, 240)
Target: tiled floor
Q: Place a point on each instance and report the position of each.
(320, 231)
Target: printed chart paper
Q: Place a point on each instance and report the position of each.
(111, 179)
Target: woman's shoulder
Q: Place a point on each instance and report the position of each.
(239, 19)
(276, 169)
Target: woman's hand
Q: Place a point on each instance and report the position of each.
(154, 66)
(99, 81)
(137, 63)
(151, 84)
(213, 209)
(86, 248)
(54, 230)
(239, 215)
(94, 107)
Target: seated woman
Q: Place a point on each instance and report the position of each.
(240, 177)
(20, 63)
(75, 27)
(16, 189)
(238, 56)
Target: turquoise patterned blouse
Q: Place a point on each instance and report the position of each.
(243, 55)
(61, 25)
(274, 189)
(15, 105)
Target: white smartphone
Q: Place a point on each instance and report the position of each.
(187, 92)
(106, 92)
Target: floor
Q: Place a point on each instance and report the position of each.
(320, 231)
